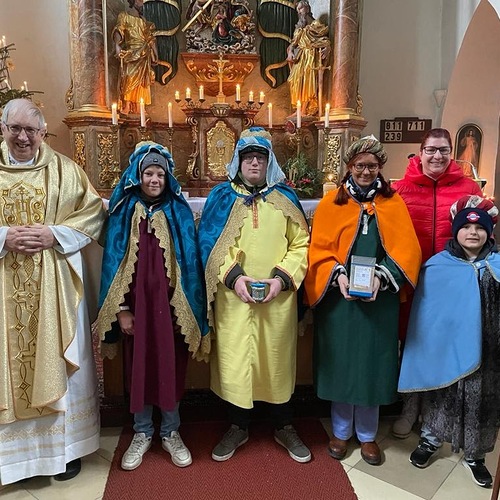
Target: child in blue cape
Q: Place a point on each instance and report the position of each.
(453, 343)
(152, 297)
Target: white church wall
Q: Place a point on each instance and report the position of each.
(39, 30)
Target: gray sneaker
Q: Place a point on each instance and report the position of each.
(231, 440)
(177, 449)
(289, 439)
(132, 458)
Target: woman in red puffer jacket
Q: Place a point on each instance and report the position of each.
(432, 183)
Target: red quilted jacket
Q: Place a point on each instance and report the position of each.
(429, 202)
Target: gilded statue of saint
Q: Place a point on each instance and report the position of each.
(308, 54)
(135, 46)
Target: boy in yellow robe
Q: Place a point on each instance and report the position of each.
(253, 230)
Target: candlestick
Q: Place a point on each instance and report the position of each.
(299, 114)
(26, 86)
(238, 93)
(143, 113)
(114, 114)
(201, 93)
(327, 115)
(188, 93)
(177, 96)
(270, 114)
(170, 120)
(261, 97)
(250, 96)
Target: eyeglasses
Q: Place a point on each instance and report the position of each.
(261, 159)
(431, 150)
(359, 167)
(16, 130)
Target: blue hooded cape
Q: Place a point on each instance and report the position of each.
(182, 229)
(222, 197)
(444, 339)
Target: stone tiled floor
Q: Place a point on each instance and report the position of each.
(395, 479)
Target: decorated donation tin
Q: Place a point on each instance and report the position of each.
(258, 291)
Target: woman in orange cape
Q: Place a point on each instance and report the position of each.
(356, 337)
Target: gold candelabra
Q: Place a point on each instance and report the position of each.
(220, 107)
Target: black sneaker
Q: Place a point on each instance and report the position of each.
(422, 454)
(479, 472)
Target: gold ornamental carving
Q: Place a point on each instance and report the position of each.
(220, 147)
(205, 70)
(192, 171)
(331, 165)
(109, 166)
(79, 155)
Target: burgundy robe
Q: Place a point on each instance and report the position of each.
(156, 356)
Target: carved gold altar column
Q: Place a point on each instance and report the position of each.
(346, 122)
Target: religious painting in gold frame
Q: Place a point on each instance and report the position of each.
(468, 143)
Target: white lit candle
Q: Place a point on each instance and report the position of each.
(26, 86)
(201, 93)
(327, 115)
(238, 93)
(250, 96)
(114, 114)
(22, 87)
(177, 96)
(299, 114)
(143, 113)
(7, 83)
(261, 97)
(188, 93)
(270, 114)
(4, 41)
(170, 118)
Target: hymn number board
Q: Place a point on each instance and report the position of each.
(404, 130)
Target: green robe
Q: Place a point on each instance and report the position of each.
(356, 342)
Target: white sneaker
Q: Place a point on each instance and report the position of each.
(132, 458)
(177, 449)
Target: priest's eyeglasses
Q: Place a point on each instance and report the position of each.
(359, 167)
(16, 130)
(431, 150)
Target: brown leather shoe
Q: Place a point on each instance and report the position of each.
(337, 448)
(371, 453)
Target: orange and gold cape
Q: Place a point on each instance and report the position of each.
(335, 228)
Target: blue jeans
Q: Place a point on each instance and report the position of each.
(347, 418)
(170, 421)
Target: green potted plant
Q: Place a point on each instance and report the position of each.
(306, 180)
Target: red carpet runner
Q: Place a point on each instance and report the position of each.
(260, 469)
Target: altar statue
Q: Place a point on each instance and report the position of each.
(308, 53)
(135, 46)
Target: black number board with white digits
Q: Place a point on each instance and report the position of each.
(404, 130)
